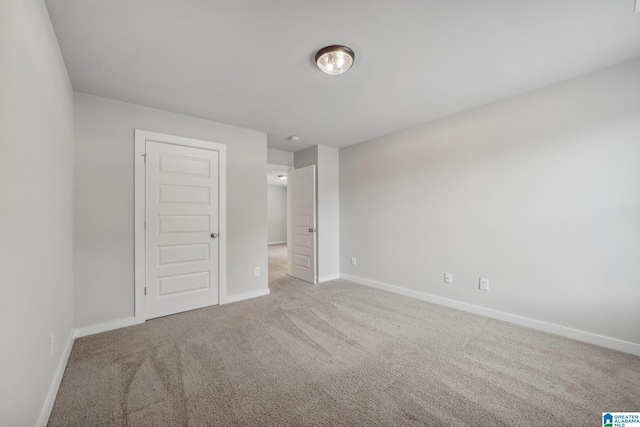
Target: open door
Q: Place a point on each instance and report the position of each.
(301, 210)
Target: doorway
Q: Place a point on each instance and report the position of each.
(292, 217)
(277, 219)
(278, 261)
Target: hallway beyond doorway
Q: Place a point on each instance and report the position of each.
(277, 261)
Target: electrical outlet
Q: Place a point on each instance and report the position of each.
(484, 284)
(353, 260)
(448, 278)
(51, 345)
(257, 271)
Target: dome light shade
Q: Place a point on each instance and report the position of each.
(335, 59)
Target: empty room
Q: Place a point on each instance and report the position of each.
(291, 213)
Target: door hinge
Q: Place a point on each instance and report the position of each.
(144, 156)
(145, 291)
(145, 224)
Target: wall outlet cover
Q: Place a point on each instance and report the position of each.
(257, 271)
(448, 278)
(484, 284)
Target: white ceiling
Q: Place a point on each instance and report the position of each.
(250, 62)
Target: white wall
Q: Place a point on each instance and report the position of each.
(104, 202)
(539, 193)
(277, 214)
(279, 157)
(326, 160)
(328, 213)
(36, 211)
(306, 157)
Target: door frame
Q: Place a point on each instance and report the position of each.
(140, 138)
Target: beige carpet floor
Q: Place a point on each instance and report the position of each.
(339, 354)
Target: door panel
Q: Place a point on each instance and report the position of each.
(179, 254)
(301, 204)
(182, 283)
(181, 213)
(183, 224)
(183, 194)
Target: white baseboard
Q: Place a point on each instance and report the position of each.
(55, 384)
(328, 278)
(107, 326)
(247, 295)
(130, 321)
(62, 364)
(277, 243)
(588, 337)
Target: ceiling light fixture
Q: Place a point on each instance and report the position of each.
(282, 177)
(294, 138)
(335, 59)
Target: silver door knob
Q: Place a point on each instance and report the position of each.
(312, 230)
(214, 235)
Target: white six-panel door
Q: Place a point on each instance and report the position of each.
(182, 217)
(301, 206)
